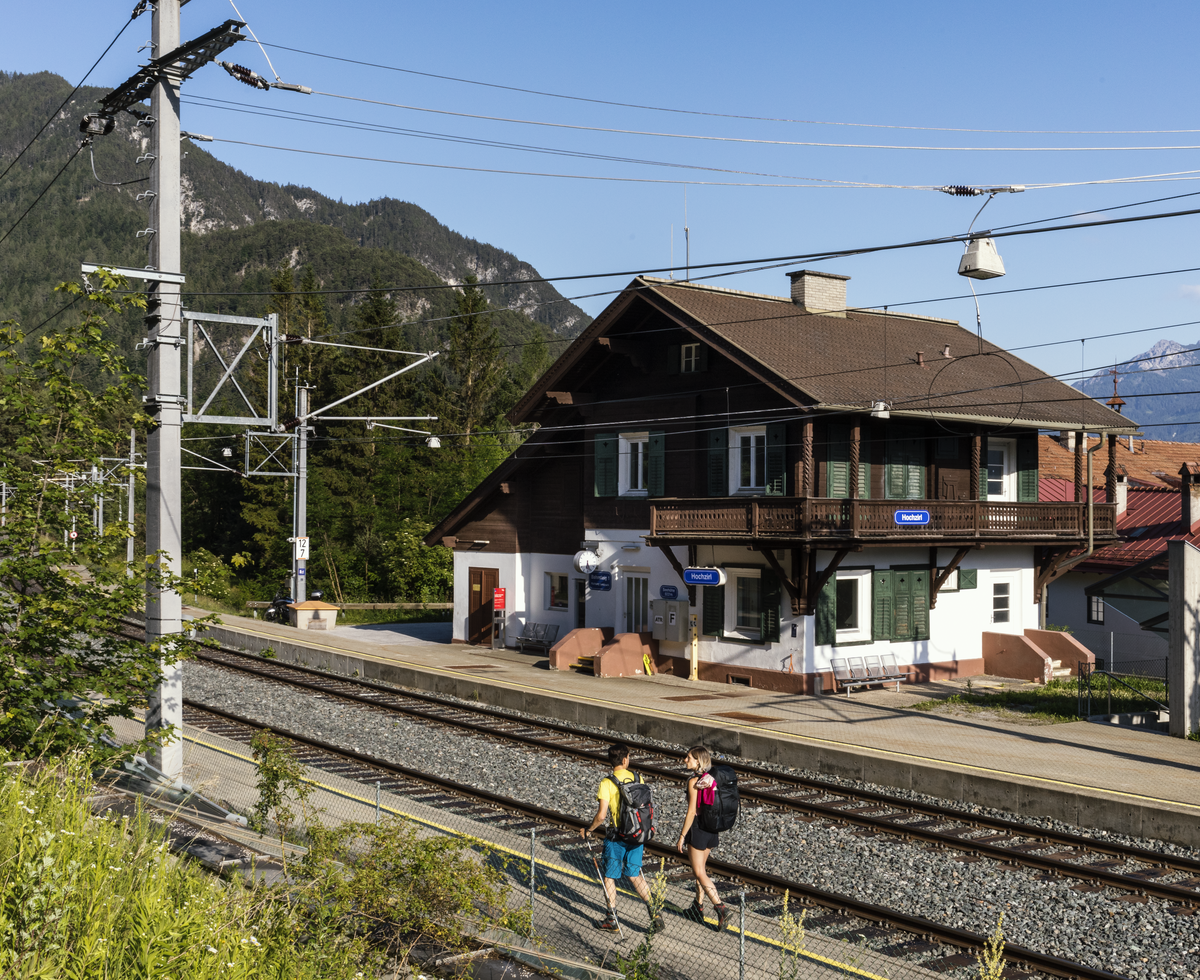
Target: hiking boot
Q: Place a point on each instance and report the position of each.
(696, 911)
(608, 923)
(722, 917)
(658, 923)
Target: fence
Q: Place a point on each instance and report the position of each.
(553, 887)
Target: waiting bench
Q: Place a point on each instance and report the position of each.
(852, 672)
(540, 636)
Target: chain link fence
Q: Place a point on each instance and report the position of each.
(554, 891)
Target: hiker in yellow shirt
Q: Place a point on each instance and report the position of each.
(619, 857)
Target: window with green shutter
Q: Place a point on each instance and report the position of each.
(968, 578)
(882, 604)
(1027, 468)
(776, 459)
(904, 472)
(983, 468)
(900, 604)
(825, 627)
(837, 462)
(718, 462)
(606, 464)
(714, 610)
(656, 464)
(769, 599)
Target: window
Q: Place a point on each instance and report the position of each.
(748, 462)
(1001, 597)
(904, 473)
(634, 469)
(852, 606)
(862, 605)
(689, 359)
(1000, 473)
(1095, 610)
(745, 608)
(951, 583)
(845, 615)
(750, 459)
(556, 591)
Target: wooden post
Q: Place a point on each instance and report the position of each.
(806, 454)
(976, 453)
(855, 452)
(1079, 447)
(1110, 472)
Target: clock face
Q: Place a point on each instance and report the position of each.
(586, 562)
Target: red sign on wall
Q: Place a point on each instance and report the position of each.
(498, 599)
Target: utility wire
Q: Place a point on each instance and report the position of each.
(43, 193)
(728, 115)
(54, 115)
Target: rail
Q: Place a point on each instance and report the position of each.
(822, 518)
(1087, 671)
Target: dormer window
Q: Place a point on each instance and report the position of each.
(689, 358)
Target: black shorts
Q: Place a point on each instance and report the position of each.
(700, 839)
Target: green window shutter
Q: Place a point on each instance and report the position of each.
(606, 464)
(902, 610)
(864, 480)
(776, 475)
(983, 468)
(714, 610)
(920, 604)
(702, 361)
(968, 578)
(837, 462)
(656, 464)
(1027, 468)
(718, 463)
(674, 359)
(904, 478)
(882, 604)
(826, 624)
(769, 599)
(914, 477)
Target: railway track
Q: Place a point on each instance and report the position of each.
(1134, 871)
(901, 935)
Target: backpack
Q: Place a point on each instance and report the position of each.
(635, 824)
(721, 814)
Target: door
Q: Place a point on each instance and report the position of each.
(637, 603)
(479, 604)
(580, 603)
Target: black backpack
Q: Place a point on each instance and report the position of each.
(635, 824)
(722, 813)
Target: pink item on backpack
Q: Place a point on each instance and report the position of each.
(706, 790)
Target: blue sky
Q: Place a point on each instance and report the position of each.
(1020, 66)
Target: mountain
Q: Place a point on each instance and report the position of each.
(84, 217)
(1168, 367)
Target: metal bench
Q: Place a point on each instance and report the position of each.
(852, 672)
(540, 636)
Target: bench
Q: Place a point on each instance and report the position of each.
(540, 636)
(852, 672)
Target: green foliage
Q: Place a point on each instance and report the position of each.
(640, 964)
(1059, 629)
(792, 941)
(84, 898)
(64, 670)
(283, 790)
(417, 572)
(473, 360)
(1056, 702)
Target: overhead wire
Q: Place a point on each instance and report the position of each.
(45, 190)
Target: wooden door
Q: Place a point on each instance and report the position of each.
(479, 604)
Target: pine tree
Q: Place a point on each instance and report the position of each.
(474, 359)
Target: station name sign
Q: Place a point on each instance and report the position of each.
(704, 576)
(907, 518)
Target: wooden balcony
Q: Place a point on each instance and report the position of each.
(794, 521)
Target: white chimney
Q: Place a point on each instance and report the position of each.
(819, 292)
(1189, 491)
(1067, 438)
(1122, 491)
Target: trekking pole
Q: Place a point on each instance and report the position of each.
(600, 878)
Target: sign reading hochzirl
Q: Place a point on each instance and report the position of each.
(704, 576)
(906, 518)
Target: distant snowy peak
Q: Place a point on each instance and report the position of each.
(1162, 356)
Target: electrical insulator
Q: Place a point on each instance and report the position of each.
(961, 190)
(245, 75)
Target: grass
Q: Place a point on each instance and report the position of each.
(347, 617)
(1053, 703)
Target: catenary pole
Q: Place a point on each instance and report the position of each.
(301, 580)
(132, 501)
(163, 458)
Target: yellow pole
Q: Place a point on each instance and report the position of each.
(694, 672)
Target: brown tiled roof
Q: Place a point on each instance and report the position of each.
(838, 362)
(1152, 463)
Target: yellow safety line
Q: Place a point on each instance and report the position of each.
(755, 730)
(561, 869)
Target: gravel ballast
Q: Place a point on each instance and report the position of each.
(1135, 939)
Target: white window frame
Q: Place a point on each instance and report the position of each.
(548, 589)
(689, 358)
(731, 590)
(735, 460)
(625, 469)
(1008, 481)
(1095, 610)
(862, 632)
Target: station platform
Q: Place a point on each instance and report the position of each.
(1088, 775)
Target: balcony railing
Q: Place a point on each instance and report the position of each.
(797, 519)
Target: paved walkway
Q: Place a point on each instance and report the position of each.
(1095, 775)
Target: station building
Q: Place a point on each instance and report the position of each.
(863, 481)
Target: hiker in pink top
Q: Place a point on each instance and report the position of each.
(701, 789)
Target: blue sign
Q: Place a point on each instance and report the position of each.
(703, 576)
(600, 581)
(912, 517)
(668, 592)
(300, 572)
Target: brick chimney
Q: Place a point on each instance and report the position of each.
(819, 292)
(1189, 490)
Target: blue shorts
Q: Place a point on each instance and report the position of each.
(620, 859)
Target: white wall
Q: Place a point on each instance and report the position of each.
(1120, 633)
(508, 566)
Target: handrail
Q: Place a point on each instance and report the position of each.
(1085, 672)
